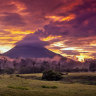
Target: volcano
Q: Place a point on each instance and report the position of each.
(30, 46)
(29, 51)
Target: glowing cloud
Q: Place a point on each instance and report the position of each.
(5, 48)
(49, 38)
(16, 31)
(83, 56)
(71, 48)
(61, 18)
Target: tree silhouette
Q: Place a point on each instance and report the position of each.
(92, 66)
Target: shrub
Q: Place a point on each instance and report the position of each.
(14, 87)
(52, 87)
(44, 86)
(1, 71)
(51, 75)
(17, 75)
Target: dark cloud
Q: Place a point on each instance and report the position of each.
(71, 52)
(86, 5)
(42, 5)
(6, 5)
(32, 40)
(13, 19)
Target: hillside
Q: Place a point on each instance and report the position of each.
(29, 51)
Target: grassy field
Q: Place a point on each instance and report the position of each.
(31, 85)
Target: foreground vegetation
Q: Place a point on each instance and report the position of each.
(31, 85)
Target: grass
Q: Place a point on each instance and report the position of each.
(16, 86)
(83, 78)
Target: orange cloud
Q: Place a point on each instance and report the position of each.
(20, 6)
(58, 44)
(93, 43)
(8, 41)
(55, 50)
(73, 48)
(61, 18)
(83, 56)
(18, 31)
(50, 37)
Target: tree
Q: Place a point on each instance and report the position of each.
(33, 63)
(92, 66)
(15, 64)
(23, 62)
(46, 65)
(0, 65)
(4, 62)
(59, 65)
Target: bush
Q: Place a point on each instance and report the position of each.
(51, 75)
(22, 88)
(52, 87)
(17, 75)
(1, 71)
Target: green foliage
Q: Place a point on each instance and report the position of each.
(52, 87)
(14, 87)
(51, 75)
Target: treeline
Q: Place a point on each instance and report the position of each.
(33, 65)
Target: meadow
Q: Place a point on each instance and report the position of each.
(73, 84)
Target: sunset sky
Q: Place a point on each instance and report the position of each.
(68, 27)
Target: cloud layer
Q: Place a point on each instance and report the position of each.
(67, 26)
